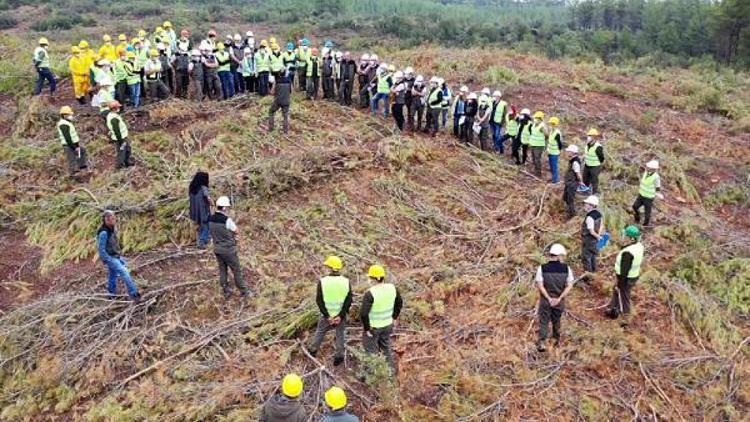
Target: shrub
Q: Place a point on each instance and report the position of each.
(254, 15)
(7, 21)
(62, 21)
(501, 75)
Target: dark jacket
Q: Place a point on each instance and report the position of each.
(282, 92)
(340, 415)
(224, 239)
(280, 408)
(348, 70)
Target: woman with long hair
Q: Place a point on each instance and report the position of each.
(200, 206)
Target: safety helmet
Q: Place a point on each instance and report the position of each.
(398, 75)
(103, 62)
(153, 52)
(391, 68)
(66, 110)
(195, 53)
(122, 37)
(653, 165)
(409, 70)
(525, 111)
(335, 398)
(305, 42)
(75, 49)
(383, 66)
(376, 271)
(220, 46)
(106, 38)
(328, 44)
(158, 30)
(211, 33)
(554, 121)
(114, 105)
(365, 57)
(272, 40)
(374, 57)
(557, 250)
(161, 46)
(290, 46)
(464, 89)
(292, 385)
(223, 201)
(592, 132)
(632, 232)
(333, 262)
(419, 79)
(249, 34)
(497, 94)
(135, 41)
(130, 54)
(472, 96)
(314, 52)
(264, 43)
(486, 91)
(167, 24)
(538, 115)
(83, 44)
(592, 200)
(142, 33)
(237, 37)
(572, 148)
(338, 55)
(433, 80)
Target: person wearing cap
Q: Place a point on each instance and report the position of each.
(80, 74)
(108, 50)
(195, 72)
(75, 154)
(224, 234)
(511, 126)
(133, 78)
(647, 191)
(225, 71)
(347, 73)
(554, 146)
(106, 95)
(537, 141)
(627, 269)
(497, 120)
(336, 403)
(248, 70)
(282, 94)
(524, 124)
(263, 67)
(289, 59)
(110, 253)
(434, 106)
(184, 43)
(303, 58)
(459, 106)
(118, 133)
(554, 280)
(364, 82)
(153, 70)
(418, 96)
(593, 160)
(122, 44)
(591, 231)
(211, 81)
(383, 82)
(470, 113)
(334, 297)
(171, 36)
(167, 69)
(41, 64)
(381, 306)
(573, 179)
(312, 76)
(285, 406)
(181, 65)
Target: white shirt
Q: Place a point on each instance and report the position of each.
(576, 167)
(540, 279)
(230, 225)
(589, 223)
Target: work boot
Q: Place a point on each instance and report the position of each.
(610, 313)
(338, 360)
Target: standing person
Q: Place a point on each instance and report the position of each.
(313, 75)
(409, 85)
(594, 159)
(167, 70)
(224, 233)
(123, 45)
(447, 96)
(364, 81)
(537, 141)
(628, 270)
(282, 94)
(554, 146)
(484, 114)
(75, 154)
(87, 59)
(348, 70)
(211, 82)
(108, 50)
(303, 58)
(285, 407)
(182, 72)
(118, 132)
(248, 70)
(184, 42)
(418, 96)
(591, 231)
(573, 179)
(328, 75)
(41, 64)
(111, 255)
(524, 126)
(121, 77)
(154, 85)
(383, 84)
(511, 131)
(277, 62)
(195, 71)
(434, 106)
(499, 111)
(336, 403)
(263, 67)
(236, 53)
(554, 280)
(380, 309)
(170, 35)
(289, 58)
(459, 107)
(225, 71)
(337, 58)
(470, 113)
(647, 191)
(200, 206)
(398, 91)
(133, 79)
(80, 74)
(334, 297)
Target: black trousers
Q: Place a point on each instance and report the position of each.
(123, 154)
(647, 204)
(467, 131)
(263, 83)
(182, 81)
(589, 253)
(121, 92)
(302, 71)
(250, 84)
(313, 83)
(591, 177)
(546, 314)
(398, 115)
(516, 148)
(569, 197)
(524, 153)
(621, 303)
(328, 91)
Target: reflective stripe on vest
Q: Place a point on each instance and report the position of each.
(536, 138)
(383, 300)
(123, 127)
(499, 112)
(383, 87)
(637, 251)
(433, 97)
(223, 57)
(592, 160)
(277, 63)
(310, 62)
(73, 133)
(41, 58)
(105, 97)
(132, 70)
(526, 134)
(511, 126)
(552, 147)
(335, 289)
(119, 71)
(262, 62)
(648, 185)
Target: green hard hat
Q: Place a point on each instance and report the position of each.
(632, 232)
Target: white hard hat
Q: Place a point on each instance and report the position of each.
(249, 34)
(409, 70)
(419, 78)
(398, 75)
(104, 62)
(464, 89)
(383, 66)
(434, 80)
(497, 94)
(440, 81)
(486, 91)
(592, 200)
(526, 111)
(338, 54)
(223, 201)
(557, 250)
(653, 165)
(472, 96)
(572, 148)
(237, 37)
(374, 57)
(247, 51)
(365, 56)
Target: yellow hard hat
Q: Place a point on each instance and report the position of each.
(391, 68)
(167, 24)
(83, 44)
(153, 52)
(335, 398)
(333, 262)
(292, 385)
(539, 115)
(75, 49)
(122, 37)
(220, 46)
(135, 41)
(272, 40)
(376, 271)
(43, 41)
(142, 33)
(159, 29)
(554, 121)
(592, 132)
(263, 43)
(130, 54)
(106, 38)
(97, 57)
(66, 110)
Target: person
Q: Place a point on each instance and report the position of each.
(121, 77)
(594, 159)
(282, 97)
(211, 81)
(155, 88)
(554, 146)
(482, 121)
(303, 58)
(167, 70)
(41, 64)
(225, 71)
(184, 42)
(118, 132)
(133, 79)
(123, 44)
(75, 154)
(285, 407)
(200, 206)
(511, 130)
(434, 106)
(224, 233)
(263, 67)
(573, 179)
(524, 124)
(418, 96)
(328, 74)
(336, 402)
(470, 113)
(591, 231)
(142, 51)
(537, 141)
(383, 83)
(237, 53)
(364, 81)
(337, 59)
(87, 60)
(313, 74)
(80, 73)
(627, 269)
(289, 58)
(277, 63)
(334, 297)
(170, 36)
(409, 85)
(195, 72)
(248, 70)
(110, 254)
(459, 105)
(447, 95)
(210, 40)
(554, 280)
(647, 191)
(347, 72)
(398, 91)
(105, 96)
(499, 111)
(380, 309)
(181, 66)
(108, 50)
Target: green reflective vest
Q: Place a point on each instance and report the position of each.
(277, 63)
(310, 63)
(223, 58)
(111, 117)
(636, 249)
(335, 289)
(433, 97)
(536, 137)
(648, 185)
(105, 97)
(383, 300)
(119, 71)
(134, 77)
(290, 59)
(383, 87)
(141, 57)
(262, 61)
(552, 147)
(41, 58)
(592, 160)
(499, 115)
(303, 55)
(73, 133)
(511, 125)
(526, 134)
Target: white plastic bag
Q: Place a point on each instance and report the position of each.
(477, 128)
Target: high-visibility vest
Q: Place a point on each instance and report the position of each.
(262, 61)
(552, 147)
(511, 125)
(223, 58)
(111, 117)
(132, 70)
(335, 289)
(383, 301)
(536, 137)
(277, 63)
(648, 185)
(41, 58)
(290, 59)
(383, 87)
(73, 133)
(637, 250)
(304, 54)
(592, 160)
(310, 62)
(526, 133)
(141, 57)
(119, 71)
(433, 97)
(105, 97)
(499, 115)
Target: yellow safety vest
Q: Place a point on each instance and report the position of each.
(511, 125)
(383, 301)
(123, 127)
(637, 251)
(648, 185)
(73, 133)
(592, 160)
(552, 147)
(335, 289)
(536, 137)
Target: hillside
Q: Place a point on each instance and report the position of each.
(459, 230)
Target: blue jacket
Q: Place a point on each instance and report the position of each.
(107, 245)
